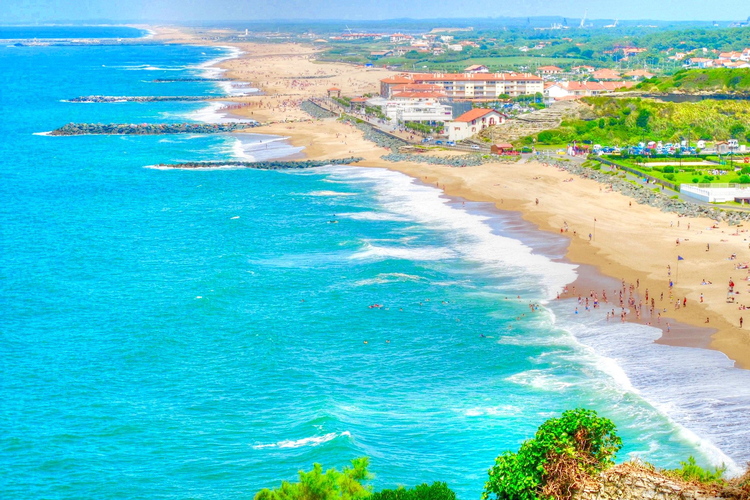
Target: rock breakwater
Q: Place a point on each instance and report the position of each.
(316, 111)
(263, 165)
(150, 98)
(169, 80)
(150, 128)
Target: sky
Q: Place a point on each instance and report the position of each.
(40, 11)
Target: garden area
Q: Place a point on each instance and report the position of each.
(686, 170)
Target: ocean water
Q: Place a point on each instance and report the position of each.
(47, 32)
(205, 334)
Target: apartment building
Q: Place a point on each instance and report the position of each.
(469, 86)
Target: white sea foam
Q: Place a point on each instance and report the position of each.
(372, 216)
(383, 278)
(425, 253)
(308, 441)
(208, 69)
(699, 390)
(471, 237)
(545, 380)
(493, 411)
(330, 193)
(148, 67)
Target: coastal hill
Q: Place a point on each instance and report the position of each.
(630, 120)
(719, 80)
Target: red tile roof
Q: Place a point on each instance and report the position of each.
(474, 114)
(446, 77)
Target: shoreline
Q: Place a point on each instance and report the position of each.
(615, 251)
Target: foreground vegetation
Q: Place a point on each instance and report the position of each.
(628, 121)
(565, 453)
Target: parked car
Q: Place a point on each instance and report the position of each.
(474, 146)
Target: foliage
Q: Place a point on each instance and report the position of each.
(424, 491)
(554, 463)
(691, 471)
(693, 80)
(328, 485)
(423, 127)
(632, 120)
(344, 101)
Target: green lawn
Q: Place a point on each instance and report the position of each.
(686, 175)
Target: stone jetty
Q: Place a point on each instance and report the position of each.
(150, 128)
(150, 98)
(264, 165)
(169, 80)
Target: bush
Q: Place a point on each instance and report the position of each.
(668, 170)
(691, 471)
(328, 485)
(744, 179)
(695, 180)
(669, 177)
(424, 491)
(563, 453)
(745, 170)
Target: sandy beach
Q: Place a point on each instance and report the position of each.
(634, 243)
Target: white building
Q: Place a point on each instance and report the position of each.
(414, 107)
(468, 86)
(716, 193)
(472, 122)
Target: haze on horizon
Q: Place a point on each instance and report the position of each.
(41, 11)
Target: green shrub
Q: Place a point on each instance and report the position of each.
(554, 464)
(745, 170)
(659, 169)
(669, 177)
(695, 180)
(328, 485)
(744, 179)
(691, 471)
(668, 170)
(424, 491)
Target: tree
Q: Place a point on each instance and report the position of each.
(736, 130)
(328, 485)
(424, 491)
(554, 465)
(642, 119)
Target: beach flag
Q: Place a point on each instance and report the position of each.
(680, 258)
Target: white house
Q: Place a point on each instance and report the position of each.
(472, 122)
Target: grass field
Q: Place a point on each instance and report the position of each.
(688, 174)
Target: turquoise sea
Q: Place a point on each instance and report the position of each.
(204, 334)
